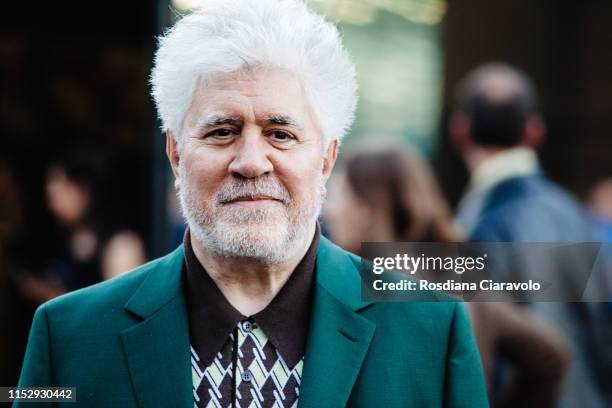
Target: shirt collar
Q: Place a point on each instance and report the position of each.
(510, 163)
(285, 320)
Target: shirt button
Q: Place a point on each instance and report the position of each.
(246, 376)
(247, 326)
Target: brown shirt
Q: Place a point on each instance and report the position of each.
(236, 358)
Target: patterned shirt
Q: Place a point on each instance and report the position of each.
(248, 361)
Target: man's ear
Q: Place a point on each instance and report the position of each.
(535, 132)
(329, 158)
(460, 132)
(172, 153)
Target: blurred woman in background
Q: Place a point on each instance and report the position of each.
(389, 194)
(88, 243)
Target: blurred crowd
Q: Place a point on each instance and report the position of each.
(533, 354)
(544, 355)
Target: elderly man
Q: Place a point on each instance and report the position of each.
(256, 308)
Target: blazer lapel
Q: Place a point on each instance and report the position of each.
(157, 348)
(339, 338)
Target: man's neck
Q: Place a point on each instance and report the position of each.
(496, 165)
(249, 285)
(477, 156)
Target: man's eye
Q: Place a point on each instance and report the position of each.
(281, 136)
(221, 133)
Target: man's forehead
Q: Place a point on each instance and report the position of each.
(260, 98)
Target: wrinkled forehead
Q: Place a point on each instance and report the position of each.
(252, 94)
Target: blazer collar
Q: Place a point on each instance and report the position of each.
(162, 284)
(165, 282)
(338, 274)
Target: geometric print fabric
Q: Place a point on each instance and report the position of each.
(247, 372)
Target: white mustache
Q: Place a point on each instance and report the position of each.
(266, 187)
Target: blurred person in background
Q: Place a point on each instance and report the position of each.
(123, 252)
(389, 194)
(497, 129)
(88, 247)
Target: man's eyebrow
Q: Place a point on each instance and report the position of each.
(219, 120)
(215, 120)
(282, 120)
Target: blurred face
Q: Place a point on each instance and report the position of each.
(67, 200)
(250, 168)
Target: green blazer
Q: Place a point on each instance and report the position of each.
(125, 343)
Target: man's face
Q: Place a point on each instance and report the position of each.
(250, 166)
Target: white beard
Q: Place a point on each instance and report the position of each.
(271, 235)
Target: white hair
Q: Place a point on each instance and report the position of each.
(227, 35)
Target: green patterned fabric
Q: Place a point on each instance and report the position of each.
(259, 377)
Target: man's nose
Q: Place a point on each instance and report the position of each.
(251, 158)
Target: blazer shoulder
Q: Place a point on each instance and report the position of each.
(107, 295)
(440, 308)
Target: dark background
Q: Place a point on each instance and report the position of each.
(76, 78)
